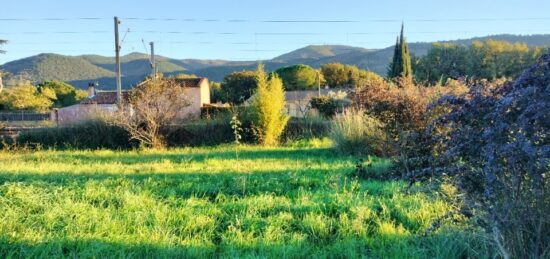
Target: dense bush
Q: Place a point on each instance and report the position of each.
(328, 105)
(494, 145)
(200, 133)
(214, 111)
(402, 106)
(95, 134)
(357, 133)
(306, 128)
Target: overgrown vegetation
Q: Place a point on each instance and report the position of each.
(357, 133)
(494, 145)
(328, 105)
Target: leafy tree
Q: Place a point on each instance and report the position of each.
(216, 93)
(442, 61)
(28, 97)
(328, 105)
(401, 65)
(481, 60)
(298, 77)
(65, 94)
(237, 87)
(340, 75)
(335, 74)
(269, 107)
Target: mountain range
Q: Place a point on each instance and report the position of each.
(80, 70)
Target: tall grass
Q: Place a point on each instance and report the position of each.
(198, 202)
(357, 133)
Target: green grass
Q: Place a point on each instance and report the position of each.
(284, 202)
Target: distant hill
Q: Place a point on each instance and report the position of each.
(79, 70)
(56, 67)
(318, 52)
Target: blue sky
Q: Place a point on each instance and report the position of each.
(251, 29)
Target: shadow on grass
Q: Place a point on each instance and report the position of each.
(145, 157)
(447, 244)
(183, 185)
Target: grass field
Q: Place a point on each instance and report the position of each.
(284, 202)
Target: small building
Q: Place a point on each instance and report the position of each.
(103, 103)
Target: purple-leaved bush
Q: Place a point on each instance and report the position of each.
(494, 144)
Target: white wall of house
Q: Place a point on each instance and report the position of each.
(197, 96)
(82, 112)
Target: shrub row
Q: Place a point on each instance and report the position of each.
(99, 134)
(87, 135)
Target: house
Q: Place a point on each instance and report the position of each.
(102, 103)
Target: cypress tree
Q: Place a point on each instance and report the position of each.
(392, 72)
(401, 62)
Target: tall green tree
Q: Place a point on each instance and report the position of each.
(27, 97)
(65, 94)
(401, 65)
(298, 77)
(269, 107)
(236, 87)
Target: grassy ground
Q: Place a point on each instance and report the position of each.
(283, 202)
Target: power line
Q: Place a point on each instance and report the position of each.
(259, 33)
(480, 19)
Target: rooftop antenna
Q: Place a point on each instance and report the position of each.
(152, 62)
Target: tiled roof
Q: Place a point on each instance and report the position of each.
(190, 82)
(105, 97)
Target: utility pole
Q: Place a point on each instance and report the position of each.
(153, 64)
(319, 82)
(118, 73)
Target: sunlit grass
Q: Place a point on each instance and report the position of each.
(202, 202)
